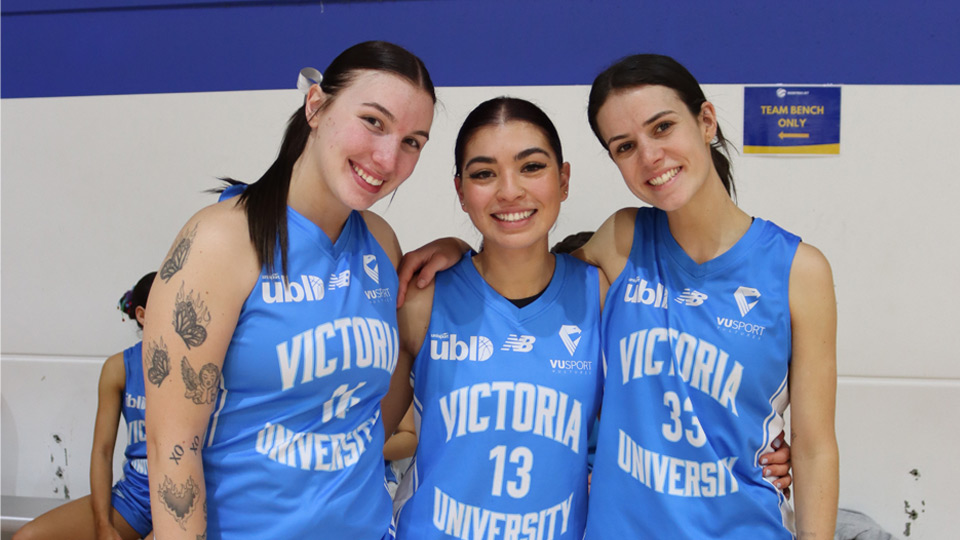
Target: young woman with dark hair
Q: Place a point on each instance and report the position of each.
(715, 320)
(265, 379)
(122, 512)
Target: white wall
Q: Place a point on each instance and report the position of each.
(94, 190)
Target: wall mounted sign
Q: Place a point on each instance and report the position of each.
(791, 120)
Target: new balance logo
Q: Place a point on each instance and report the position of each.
(340, 280)
(371, 268)
(570, 334)
(690, 297)
(517, 343)
(448, 347)
(638, 293)
(309, 289)
(742, 294)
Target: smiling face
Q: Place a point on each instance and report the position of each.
(366, 141)
(661, 149)
(511, 184)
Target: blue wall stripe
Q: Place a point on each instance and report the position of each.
(184, 46)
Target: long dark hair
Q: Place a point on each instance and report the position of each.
(500, 111)
(659, 70)
(266, 199)
(136, 297)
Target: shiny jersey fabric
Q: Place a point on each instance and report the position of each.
(696, 386)
(504, 401)
(294, 445)
(134, 414)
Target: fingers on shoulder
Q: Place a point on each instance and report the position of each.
(383, 232)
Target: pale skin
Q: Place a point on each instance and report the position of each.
(377, 125)
(93, 516)
(403, 443)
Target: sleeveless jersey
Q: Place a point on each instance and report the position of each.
(696, 386)
(504, 401)
(134, 413)
(294, 445)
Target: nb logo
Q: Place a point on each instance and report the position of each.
(517, 343)
(340, 280)
(690, 297)
(308, 289)
(567, 333)
(742, 295)
(371, 268)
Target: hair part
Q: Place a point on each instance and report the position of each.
(658, 70)
(136, 297)
(499, 111)
(265, 200)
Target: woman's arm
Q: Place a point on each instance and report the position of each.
(813, 389)
(428, 260)
(109, 404)
(403, 442)
(191, 316)
(413, 320)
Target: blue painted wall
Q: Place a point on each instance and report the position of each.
(93, 47)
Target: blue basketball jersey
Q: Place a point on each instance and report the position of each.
(504, 401)
(696, 386)
(134, 413)
(294, 445)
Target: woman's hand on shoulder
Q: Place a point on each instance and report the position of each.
(428, 260)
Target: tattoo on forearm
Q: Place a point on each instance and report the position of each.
(203, 387)
(177, 454)
(159, 363)
(190, 318)
(195, 446)
(179, 501)
(179, 255)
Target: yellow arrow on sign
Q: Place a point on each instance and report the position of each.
(794, 135)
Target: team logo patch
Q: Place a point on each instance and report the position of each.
(450, 347)
(277, 291)
(690, 297)
(517, 343)
(742, 295)
(567, 333)
(371, 268)
(639, 291)
(338, 281)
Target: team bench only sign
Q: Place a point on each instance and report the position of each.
(791, 120)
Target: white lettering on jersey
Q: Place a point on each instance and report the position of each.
(675, 476)
(364, 342)
(136, 432)
(309, 289)
(700, 363)
(637, 292)
(315, 451)
(462, 520)
(522, 407)
(448, 347)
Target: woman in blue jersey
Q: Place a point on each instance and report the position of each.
(123, 512)
(272, 325)
(503, 351)
(715, 322)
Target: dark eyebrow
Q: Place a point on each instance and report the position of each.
(480, 159)
(651, 120)
(530, 151)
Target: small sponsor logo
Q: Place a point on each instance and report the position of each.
(135, 402)
(517, 343)
(690, 297)
(740, 327)
(640, 292)
(371, 268)
(743, 296)
(276, 290)
(450, 347)
(571, 366)
(338, 281)
(378, 296)
(570, 334)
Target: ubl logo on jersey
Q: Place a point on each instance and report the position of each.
(309, 289)
(639, 293)
(449, 347)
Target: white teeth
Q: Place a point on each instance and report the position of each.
(366, 177)
(665, 177)
(514, 216)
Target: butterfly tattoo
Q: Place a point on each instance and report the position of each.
(190, 318)
(179, 255)
(179, 501)
(159, 363)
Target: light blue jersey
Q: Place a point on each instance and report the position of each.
(504, 401)
(294, 446)
(131, 494)
(696, 386)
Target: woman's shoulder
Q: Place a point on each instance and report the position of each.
(384, 235)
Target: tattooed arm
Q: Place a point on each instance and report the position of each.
(192, 313)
